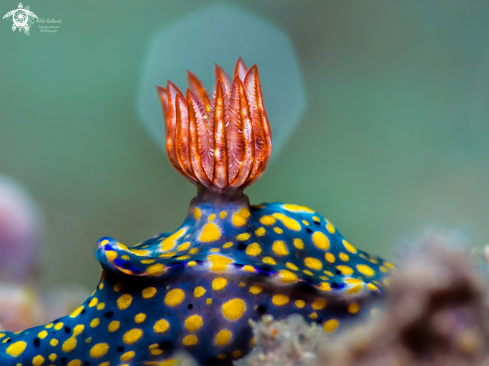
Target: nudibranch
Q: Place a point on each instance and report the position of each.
(196, 288)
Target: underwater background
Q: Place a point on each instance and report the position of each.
(387, 117)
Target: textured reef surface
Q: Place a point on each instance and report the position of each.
(435, 315)
(229, 262)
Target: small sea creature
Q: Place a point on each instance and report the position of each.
(196, 288)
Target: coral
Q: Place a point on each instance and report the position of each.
(435, 314)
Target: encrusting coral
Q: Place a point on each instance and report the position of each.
(435, 314)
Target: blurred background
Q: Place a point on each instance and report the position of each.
(387, 119)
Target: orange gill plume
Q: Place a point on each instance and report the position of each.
(223, 142)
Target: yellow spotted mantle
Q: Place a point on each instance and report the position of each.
(196, 288)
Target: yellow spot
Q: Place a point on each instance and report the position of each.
(320, 240)
(223, 337)
(53, 342)
(88, 340)
(287, 276)
(95, 322)
(267, 220)
(192, 263)
(243, 236)
(197, 213)
(170, 242)
(300, 303)
(298, 243)
(237, 354)
(74, 363)
(37, 361)
(218, 262)
(215, 250)
(366, 270)
(372, 287)
(190, 340)
(345, 269)
(99, 350)
(139, 318)
(101, 306)
(69, 345)
(344, 257)
(76, 312)
(260, 231)
(355, 288)
(58, 326)
(219, 283)
(387, 282)
(278, 230)
(223, 214)
(208, 301)
(174, 297)
(297, 208)
(239, 218)
(307, 272)
(319, 304)
(78, 329)
(291, 266)
(183, 247)
(242, 284)
(149, 292)
(199, 291)
(390, 265)
(193, 251)
(50, 325)
(52, 357)
(329, 257)
(111, 255)
(154, 349)
(42, 334)
(331, 229)
(155, 269)
(280, 299)
(256, 289)
(305, 222)
(269, 260)
(128, 356)
(132, 336)
(279, 248)
(374, 261)
(114, 325)
(313, 315)
(354, 281)
(313, 263)
(253, 249)
(148, 261)
(383, 269)
(289, 223)
(124, 301)
(353, 308)
(167, 255)
(183, 257)
(193, 323)
(248, 268)
(93, 302)
(161, 326)
(331, 325)
(325, 286)
(233, 309)
(212, 217)
(228, 245)
(349, 247)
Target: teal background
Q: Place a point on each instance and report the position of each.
(395, 136)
